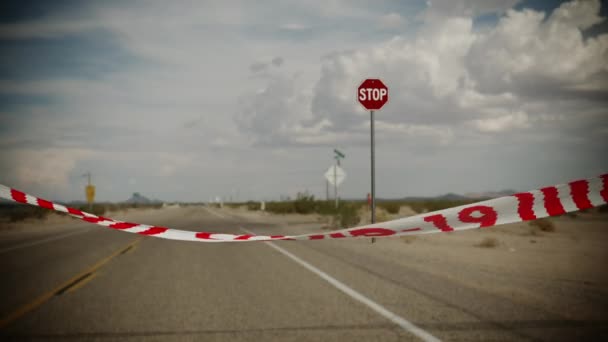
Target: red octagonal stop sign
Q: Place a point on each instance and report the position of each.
(372, 94)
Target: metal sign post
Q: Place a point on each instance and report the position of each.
(336, 185)
(372, 94)
(338, 155)
(373, 166)
(335, 175)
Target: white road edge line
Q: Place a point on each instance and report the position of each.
(213, 212)
(49, 239)
(400, 321)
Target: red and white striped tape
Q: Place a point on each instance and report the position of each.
(548, 201)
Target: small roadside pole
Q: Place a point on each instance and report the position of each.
(336, 175)
(336, 185)
(337, 155)
(372, 94)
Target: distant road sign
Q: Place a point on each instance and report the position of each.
(372, 94)
(335, 175)
(90, 192)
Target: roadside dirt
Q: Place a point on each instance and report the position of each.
(561, 271)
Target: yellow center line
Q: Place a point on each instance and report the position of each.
(67, 285)
(81, 283)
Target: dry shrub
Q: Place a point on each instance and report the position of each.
(488, 242)
(544, 225)
(382, 215)
(253, 206)
(390, 207)
(348, 215)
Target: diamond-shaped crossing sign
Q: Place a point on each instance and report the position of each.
(335, 175)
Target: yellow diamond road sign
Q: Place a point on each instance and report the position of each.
(90, 192)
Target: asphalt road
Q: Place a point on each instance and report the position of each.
(81, 283)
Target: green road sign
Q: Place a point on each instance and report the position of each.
(339, 154)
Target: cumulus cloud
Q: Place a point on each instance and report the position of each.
(262, 68)
(503, 123)
(294, 27)
(258, 66)
(205, 85)
(580, 14)
(277, 61)
(449, 75)
(530, 53)
(171, 163)
(42, 167)
(274, 113)
(392, 21)
(47, 28)
(438, 9)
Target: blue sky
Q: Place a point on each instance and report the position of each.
(195, 100)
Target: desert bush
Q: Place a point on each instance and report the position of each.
(417, 207)
(488, 242)
(433, 204)
(390, 207)
(304, 203)
(251, 205)
(382, 216)
(96, 209)
(544, 225)
(326, 207)
(16, 213)
(348, 215)
(444, 204)
(119, 207)
(279, 207)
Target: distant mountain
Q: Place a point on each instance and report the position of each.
(138, 198)
(446, 197)
(490, 194)
(451, 197)
(455, 197)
